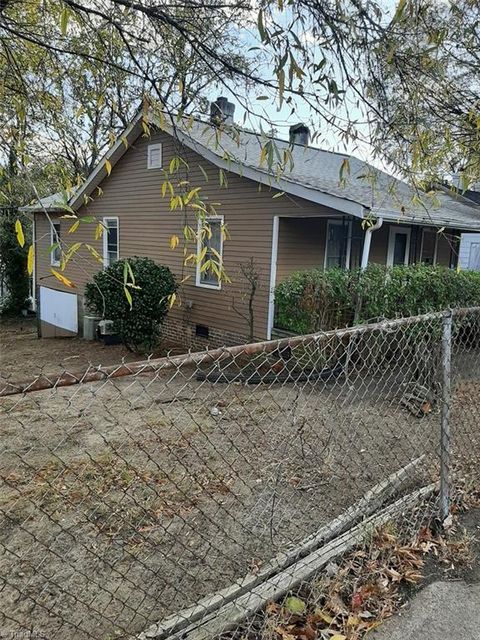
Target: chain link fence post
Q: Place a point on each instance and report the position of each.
(445, 436)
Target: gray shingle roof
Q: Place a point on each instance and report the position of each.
(361, 183)
(314, 174)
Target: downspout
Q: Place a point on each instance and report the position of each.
(368, 241)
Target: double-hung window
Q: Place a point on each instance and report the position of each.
(338, 247)
(56, 251)
(210, 252)
(110, 241)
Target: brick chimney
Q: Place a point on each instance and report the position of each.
(221, 111)
(299, 134)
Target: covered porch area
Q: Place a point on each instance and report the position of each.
(323, 242)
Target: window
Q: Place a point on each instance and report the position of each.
(474, 256)
(398, 246)
(428, 252)
(56, 251)
(209, 251)
(154, 156)
(110, 241)
(338, 244)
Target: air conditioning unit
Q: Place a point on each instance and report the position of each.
(105, 327)
(107, 333)
(90, 326)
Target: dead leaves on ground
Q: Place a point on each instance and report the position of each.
(363, 591)
(360, 594)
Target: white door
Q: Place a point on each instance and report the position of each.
(469, 254)
(398, 246)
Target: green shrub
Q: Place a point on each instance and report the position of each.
(314, 300)
(138, 325)
(13, 262)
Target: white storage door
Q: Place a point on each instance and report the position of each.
(59, 309)
(469, 254)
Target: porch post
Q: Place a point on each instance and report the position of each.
(273, 277)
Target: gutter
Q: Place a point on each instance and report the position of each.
(368, 241)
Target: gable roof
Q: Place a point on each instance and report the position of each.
(314, 174)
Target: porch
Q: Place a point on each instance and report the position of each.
(324, 242)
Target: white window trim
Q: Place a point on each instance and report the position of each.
(150, 148)
(435, 249)
(391, 243)
(105, 221)
(200, 225)
(349, 241)
(54, 240)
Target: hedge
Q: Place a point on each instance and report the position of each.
(313, 300)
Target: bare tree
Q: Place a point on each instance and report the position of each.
(251, 278)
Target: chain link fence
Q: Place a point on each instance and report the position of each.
(187, 496)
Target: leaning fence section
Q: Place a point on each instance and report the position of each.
(188, 495)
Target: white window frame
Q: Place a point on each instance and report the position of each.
(53, 240)
(435, 250)
(105, 221)
(391, 243)
(154, 147)
(338, 223)
(198, 282)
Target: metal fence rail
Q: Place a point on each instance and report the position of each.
(131, 493)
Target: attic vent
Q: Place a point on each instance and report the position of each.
(154, 156)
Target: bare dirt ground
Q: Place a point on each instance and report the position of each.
(23, 355)
(128, 499)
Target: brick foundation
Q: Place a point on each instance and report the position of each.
(184, 334)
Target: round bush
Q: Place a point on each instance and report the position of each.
(137, 311)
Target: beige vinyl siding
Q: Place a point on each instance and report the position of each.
(133, 194)
(379, 246)
(301, 245)
(447, 249)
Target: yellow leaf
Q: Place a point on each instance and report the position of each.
(108, 167)
(323, 616)
(174, 240)
(95, 253)
(171, 299)
(98, 231)
(74, 227)
(72, 250)
(19, 230)
(62, 279)
(128, 296)
(338, 636)
(30, 259)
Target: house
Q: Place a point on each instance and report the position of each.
(323, 209)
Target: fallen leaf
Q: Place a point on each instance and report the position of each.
(295, 605)
(319, 615)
